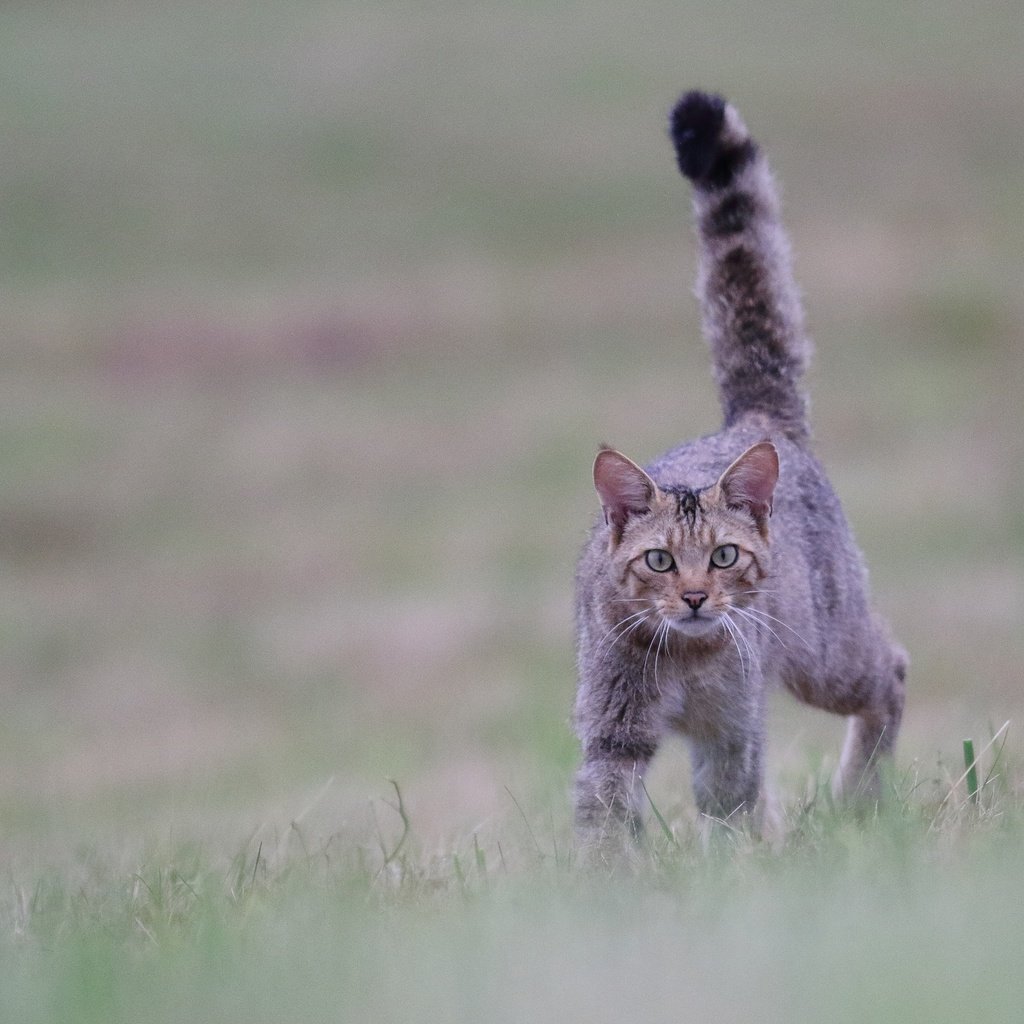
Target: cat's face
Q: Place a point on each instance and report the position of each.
(692, 561)
(692, 566)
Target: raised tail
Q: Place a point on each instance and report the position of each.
(750, 305)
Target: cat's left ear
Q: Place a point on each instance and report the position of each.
(749, 483)
(624, 488)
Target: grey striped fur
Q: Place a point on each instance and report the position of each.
(695, 648)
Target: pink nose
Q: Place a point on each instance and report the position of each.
(695, 598)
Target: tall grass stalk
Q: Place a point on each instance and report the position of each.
(971, 763)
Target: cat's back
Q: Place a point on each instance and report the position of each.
(697, 464)
(810, 536)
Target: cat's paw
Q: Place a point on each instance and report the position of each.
(610, 855)
(711, 141)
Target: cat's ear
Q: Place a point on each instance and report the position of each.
(624, 488)
(749, 483)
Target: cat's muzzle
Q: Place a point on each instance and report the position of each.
(695, 623)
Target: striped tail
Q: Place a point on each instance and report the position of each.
(750, 305)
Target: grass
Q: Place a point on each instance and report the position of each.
(902, 914)
(314, 315)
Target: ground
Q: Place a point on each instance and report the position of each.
(313, 319)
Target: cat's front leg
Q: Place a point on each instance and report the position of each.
(619, 729)
(728, 779)
(609, 799)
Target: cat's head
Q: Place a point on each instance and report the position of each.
(688, 556)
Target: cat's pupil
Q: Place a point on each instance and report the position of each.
(659, 561)
(724, 556)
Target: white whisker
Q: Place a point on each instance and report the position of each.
(755, 652)
(658, 634)
(735, 635)
(628, 631)
(748, 614)
(785, 625)
(638, 616)
(662, 646)
(732, 636)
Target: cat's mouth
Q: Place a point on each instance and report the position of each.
(694, 624)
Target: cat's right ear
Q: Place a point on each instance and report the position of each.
(624, 488)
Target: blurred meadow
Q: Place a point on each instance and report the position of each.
(313, 317)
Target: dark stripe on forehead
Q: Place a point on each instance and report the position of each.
(688, 503)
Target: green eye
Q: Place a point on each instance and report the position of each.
(724, 556)
(659, 561)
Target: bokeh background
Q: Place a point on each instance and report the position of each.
(313, 315)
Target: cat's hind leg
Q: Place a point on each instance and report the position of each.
(871, 733)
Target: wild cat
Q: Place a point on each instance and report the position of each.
(726, 566)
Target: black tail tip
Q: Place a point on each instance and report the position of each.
(695, 125)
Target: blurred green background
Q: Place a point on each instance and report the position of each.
(313, 315)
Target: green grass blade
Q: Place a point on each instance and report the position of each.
(667, 832)
(971, 770)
